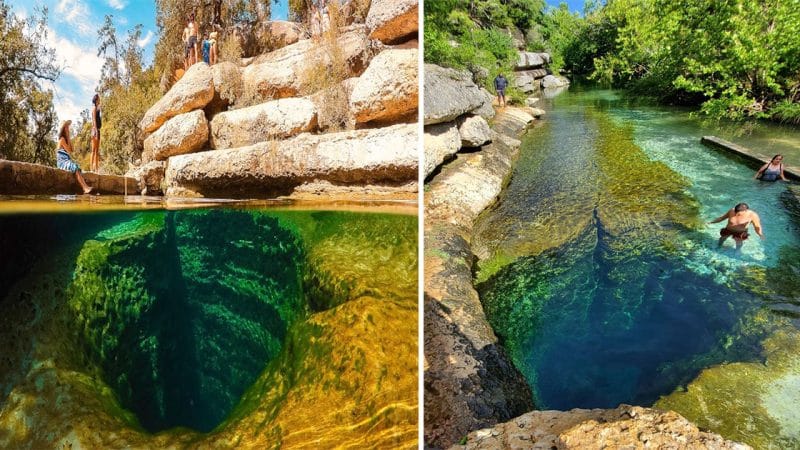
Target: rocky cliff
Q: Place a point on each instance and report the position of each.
(331, 114)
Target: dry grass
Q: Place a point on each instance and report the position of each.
(230, 50)
(323, 75)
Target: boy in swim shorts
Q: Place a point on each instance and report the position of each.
(739, 217)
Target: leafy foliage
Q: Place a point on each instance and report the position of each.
(27, 118)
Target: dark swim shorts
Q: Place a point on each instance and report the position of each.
(738, 235)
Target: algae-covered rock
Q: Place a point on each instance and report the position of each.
(195, 324)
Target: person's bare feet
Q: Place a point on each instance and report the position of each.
(88, 190)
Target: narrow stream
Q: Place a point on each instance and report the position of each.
(600, 274)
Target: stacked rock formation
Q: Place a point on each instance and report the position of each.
(264, 127)
(531, 73)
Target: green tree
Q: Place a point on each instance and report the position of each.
(25, 107)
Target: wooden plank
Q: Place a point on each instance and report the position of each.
(759, 159)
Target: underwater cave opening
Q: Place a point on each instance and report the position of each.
(183, 310)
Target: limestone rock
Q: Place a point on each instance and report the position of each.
(517, 38)
(388, 90)
(280, 33)
(449, 93)
(440, 141)
(228, 86)
(150, 177)
(474, 131)
(390, 21)
(553, 81)
(531, 101)
(375, 156)
(19, 178)
(486, 110)
(535, 112)
(290, 70)
(193, 91)
(532, 60)
(623, 427)
(185, 133)
(524, 82)
(277, 119)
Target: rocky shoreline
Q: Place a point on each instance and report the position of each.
(475, 398)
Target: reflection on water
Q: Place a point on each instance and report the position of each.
(604, 281)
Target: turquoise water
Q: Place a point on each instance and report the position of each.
(598, 269)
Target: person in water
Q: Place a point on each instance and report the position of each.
(63, 159)
(97, 122)
(739, 217)
(500, 85)
(771, 171)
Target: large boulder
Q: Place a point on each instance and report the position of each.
(388, 90)
(441, 141)
(524, 82)
(291, 70)
(474, 131)
(228, 86)
(390, 21)
(277, 119)
(486, 110)
(531, 60)
(553, 81)
(383, 156)
(449, 93)
(280, 33)
(150, 177)
(193, 91)
(185, 133)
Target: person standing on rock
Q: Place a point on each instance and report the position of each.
(63, 159)
(190, 40)
(97, 122)
(206, 49)
(213, 50)
(739, 217)
(500, 85)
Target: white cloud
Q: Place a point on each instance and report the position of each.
(76, 14)
(117, 4)
(82, 69)
(142, 43)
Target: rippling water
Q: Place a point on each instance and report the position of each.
(600, 274)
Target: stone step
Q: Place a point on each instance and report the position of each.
(20, 178)
(382, 156)
(277, 119)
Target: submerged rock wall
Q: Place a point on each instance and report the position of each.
(329, 356)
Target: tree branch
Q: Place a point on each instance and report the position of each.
(33, 72)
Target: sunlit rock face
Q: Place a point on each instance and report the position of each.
(212, 328)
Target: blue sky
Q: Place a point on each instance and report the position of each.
(72, 32)
(574, 5)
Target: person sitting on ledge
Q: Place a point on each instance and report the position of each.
(739, 217)
(64, 160)
(772, 170)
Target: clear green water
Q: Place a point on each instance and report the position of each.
(178, 313)
(603, 280)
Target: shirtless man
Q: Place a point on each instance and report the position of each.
(738, 219)
(190, 43)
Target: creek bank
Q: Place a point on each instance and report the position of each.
(469, 380)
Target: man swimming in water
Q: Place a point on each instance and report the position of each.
(739, 217)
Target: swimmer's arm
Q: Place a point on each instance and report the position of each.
(722, 217)
(758, 173)
(757, 225)
(783, 177)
